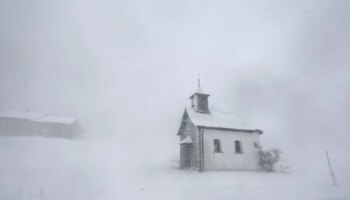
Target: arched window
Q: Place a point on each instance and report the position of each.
(217, 146)
(238, 146)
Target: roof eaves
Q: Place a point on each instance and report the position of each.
(231, 129)
(179, 132)
(187, 140)
(198, 93)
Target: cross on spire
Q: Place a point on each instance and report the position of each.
(199, 82)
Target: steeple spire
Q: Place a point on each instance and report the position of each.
(199, 88)
(199, 81)
(199, 100)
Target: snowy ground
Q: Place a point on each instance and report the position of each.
(118, 169)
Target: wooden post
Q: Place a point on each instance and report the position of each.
(42, 193)
(331, 170)
(19, 193)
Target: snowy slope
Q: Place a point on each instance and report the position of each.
(121, 169)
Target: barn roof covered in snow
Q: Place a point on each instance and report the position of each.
(36, 117)
(56, 119)
(218, 120)
(21, 114)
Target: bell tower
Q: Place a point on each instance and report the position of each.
(199, 100)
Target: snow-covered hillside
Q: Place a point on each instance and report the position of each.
(120, 169)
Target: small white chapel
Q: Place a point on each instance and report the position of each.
(213, 140)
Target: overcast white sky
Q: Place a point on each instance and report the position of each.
(128, 67)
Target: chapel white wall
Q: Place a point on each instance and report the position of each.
(229, 159)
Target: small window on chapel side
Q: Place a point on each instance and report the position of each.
(238, 146)
(217, 146)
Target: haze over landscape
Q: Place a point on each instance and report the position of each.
(126, 69)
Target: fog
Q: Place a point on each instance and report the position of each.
(126, 69)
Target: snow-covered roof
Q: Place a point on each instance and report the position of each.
(56, 119)
(219, 120)
(187, 140)
(36, 117)
(199, 91)
(21, 114)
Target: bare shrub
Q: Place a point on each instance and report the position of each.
(269, 158)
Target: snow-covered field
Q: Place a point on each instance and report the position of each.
(144, 169)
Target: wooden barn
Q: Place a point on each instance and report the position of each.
(27, 123)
